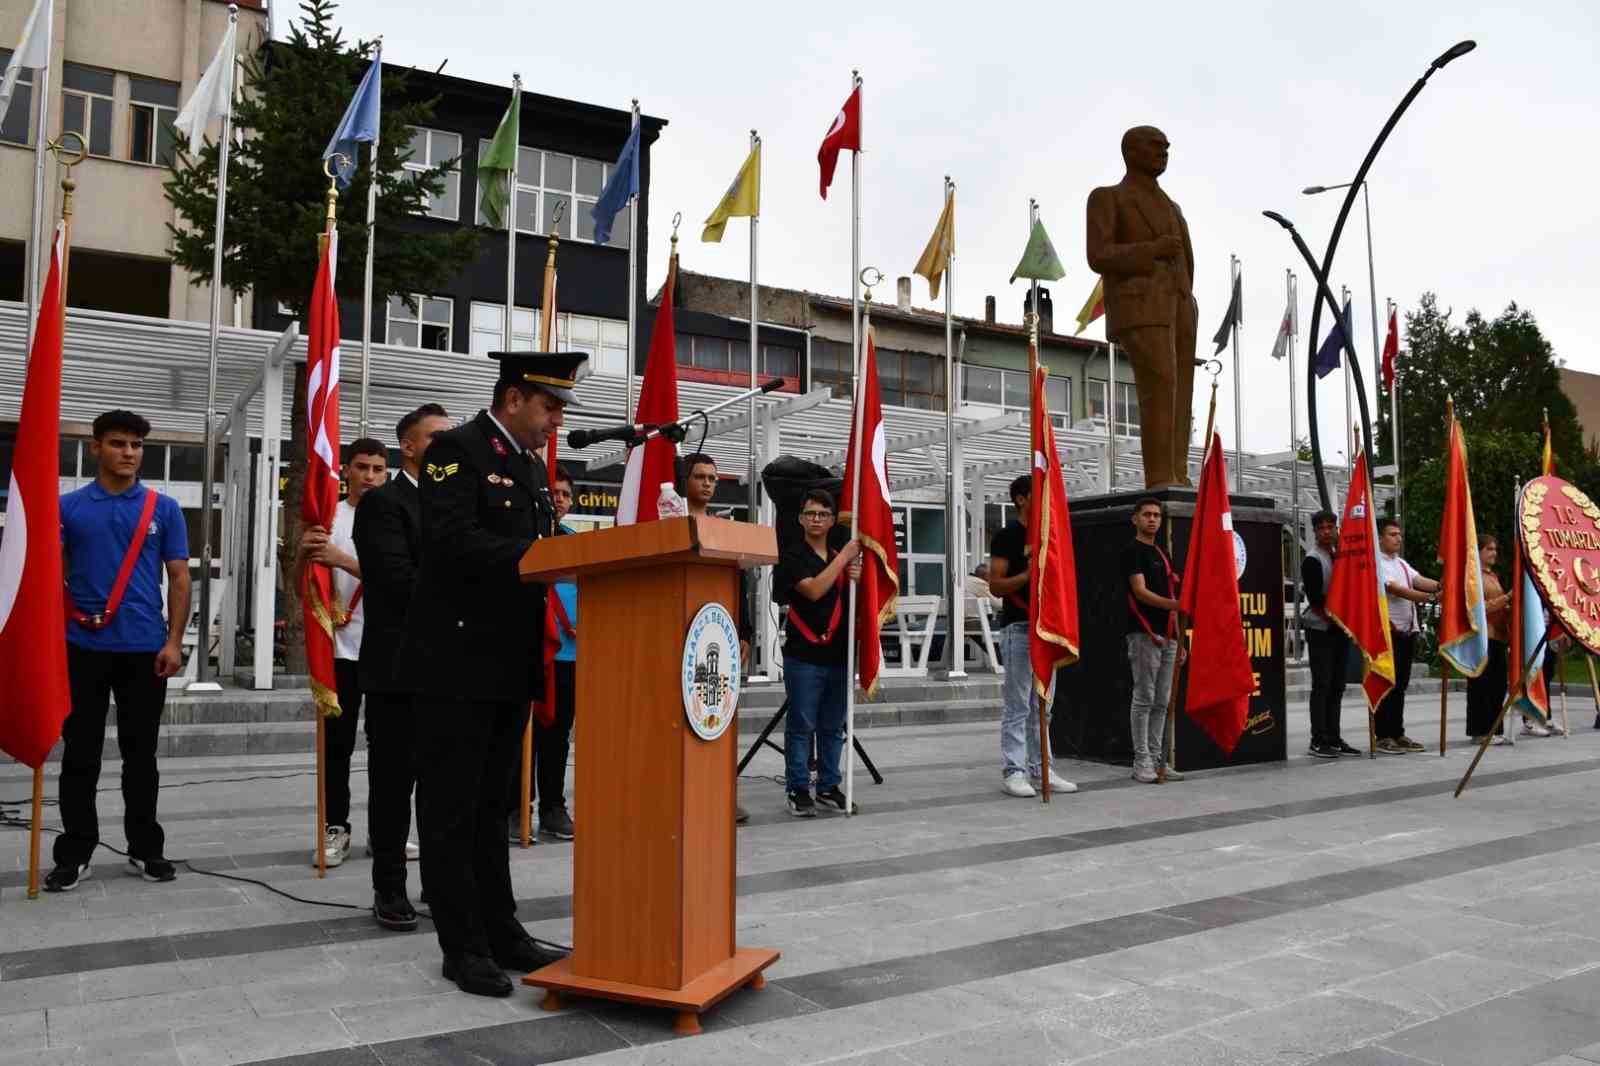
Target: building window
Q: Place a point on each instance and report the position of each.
(153, 105)
(433, 148)
(86, 100)
(429, 326)
(919, 541)
(723, 360)
(548, 179)
(905, 379)
(1127, 405)
(604, 339)
(489, 328)
(15, 123)
(1008, 389)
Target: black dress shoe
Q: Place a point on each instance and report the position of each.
(525, 956)
(476, 975)
(393, 911)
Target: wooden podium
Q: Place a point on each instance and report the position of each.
(654, 858)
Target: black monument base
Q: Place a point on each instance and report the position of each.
(1090, 715)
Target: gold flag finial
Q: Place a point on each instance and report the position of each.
(677, 219)
(59, 149)
(330, 166)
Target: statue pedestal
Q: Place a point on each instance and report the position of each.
(1090, 716)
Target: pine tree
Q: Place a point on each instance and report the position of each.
(295, 93)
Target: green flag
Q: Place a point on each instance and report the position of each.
(494, 169)
(1039, 259)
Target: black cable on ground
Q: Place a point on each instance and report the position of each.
(12, 821)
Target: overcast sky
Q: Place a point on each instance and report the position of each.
(1484, 194)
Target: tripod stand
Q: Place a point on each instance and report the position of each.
(766, 738)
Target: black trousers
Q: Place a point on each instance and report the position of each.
(551, 747)
(391, 726)
(94, 677)
(1328, 650)
(551, 744)
(1487, 691)
(1389, 721)
(468, 752)
(340, 739)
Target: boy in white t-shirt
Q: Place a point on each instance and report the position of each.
(1405, 589)
(366, 467)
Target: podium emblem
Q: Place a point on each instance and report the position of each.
(711, 672)
(1559, 528)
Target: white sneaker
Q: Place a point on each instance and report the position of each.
(1170, 774)
(413, 851)
(1534, 729)
(1057, 782)
(1144, 774)
(1556, 730)
(336, 847)
(1016, 784)
(1497, 741)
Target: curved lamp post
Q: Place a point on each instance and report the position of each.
(1321, 275)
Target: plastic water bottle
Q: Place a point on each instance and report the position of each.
(669, 504)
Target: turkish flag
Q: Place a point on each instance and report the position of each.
(872, 522)
(1053, 597)
(656, 459)
(33, 624)
(321, 497)
(845, 133)
(1356, 599)
(1220, 678)
(1391, 350)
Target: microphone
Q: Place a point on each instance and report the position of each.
(772, 386)
(582, 438)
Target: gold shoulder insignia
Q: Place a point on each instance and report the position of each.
(439, 473)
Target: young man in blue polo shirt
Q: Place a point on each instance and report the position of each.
(118, 537)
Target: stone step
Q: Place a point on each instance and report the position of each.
(287, 737)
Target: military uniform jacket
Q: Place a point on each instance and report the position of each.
(474, 628)
(388, 541)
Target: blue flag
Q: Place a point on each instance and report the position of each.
(624, 182)
(360, 122)
(1328, 356)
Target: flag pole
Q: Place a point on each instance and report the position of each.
(755, 351)
(1594, 684)
(1349, 419)
(955, 568)
(1033, 450)
(1111, 416)
(633, 292)
(1444, 663)
(1237, 268)
(511, 242)
(67, 187)
(1517, 692)
(202, 649)
(546, 343)
(41, 84)
(1294, 447)
(1394, 418)
(372, 240)
(330, 168)
(862, 455)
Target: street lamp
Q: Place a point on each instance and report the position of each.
(1451, 54)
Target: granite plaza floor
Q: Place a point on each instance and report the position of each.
(1346, 913)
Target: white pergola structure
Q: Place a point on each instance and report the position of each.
(158, 368)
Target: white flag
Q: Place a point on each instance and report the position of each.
(1280, 347)
(33, 51)
(213, 97)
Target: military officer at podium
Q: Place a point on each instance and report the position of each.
(472, 659)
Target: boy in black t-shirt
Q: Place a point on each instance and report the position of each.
(1154, 642)
(812, 580)
(1020, 750)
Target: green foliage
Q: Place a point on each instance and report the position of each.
(295, 93)
(1502, 375)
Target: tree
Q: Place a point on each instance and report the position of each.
(295, 93)
(1503, 376)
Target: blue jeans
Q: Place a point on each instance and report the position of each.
(816, 707)
(1019, 722)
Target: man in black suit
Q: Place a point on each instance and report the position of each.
(472, 658)
(388, 537)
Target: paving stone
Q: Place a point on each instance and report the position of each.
(1519, 1031)
(40, 992)
(1042, 1037)
(1184, 1049)
(1304, 1029)
(252, 1039)
(1445, 984)
(1146, 1013)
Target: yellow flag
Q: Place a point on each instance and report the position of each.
(742, 200)
(936, 256)
(1093, 307)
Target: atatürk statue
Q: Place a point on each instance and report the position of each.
(1138, 243)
